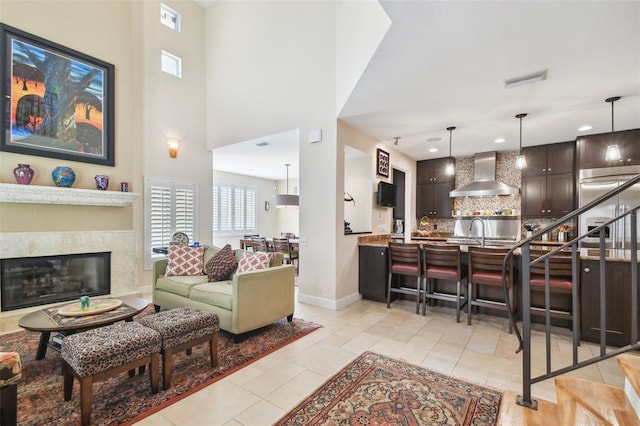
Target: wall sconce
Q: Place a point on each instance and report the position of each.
(173, 144)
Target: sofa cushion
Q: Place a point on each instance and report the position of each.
(253, 262)
(184, 260)
(215, 294)
(180, 285)
(221, 264)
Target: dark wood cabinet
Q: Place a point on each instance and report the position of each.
(430, 171)
(432, 189)
(399, 182)
(617, 302)
(548, 183)
(373, 270)
(593, 148)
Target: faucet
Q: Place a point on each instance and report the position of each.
(482, 223)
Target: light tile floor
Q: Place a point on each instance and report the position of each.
(483, 353)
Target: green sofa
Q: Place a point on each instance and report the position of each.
(243, 302)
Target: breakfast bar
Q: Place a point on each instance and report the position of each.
(374, 270)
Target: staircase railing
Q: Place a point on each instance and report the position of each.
(526, 262)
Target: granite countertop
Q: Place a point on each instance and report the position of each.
(382, 240)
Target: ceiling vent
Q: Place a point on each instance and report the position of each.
(263, 144)
(525, 79)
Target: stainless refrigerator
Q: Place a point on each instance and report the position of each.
(597, 182)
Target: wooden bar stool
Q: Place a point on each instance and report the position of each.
(442, 263)
(485, 269)
(560, 282)
(404, 259)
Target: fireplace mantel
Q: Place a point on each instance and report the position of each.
(14, 193)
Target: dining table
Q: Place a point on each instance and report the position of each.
(245, 243)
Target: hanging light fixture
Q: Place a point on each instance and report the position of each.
(613, 151)
(521, 160)
(395, 141)
(286, 200)
(450, 169)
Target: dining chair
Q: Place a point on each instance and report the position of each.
(259, 244)
(560, 282)
(282, 245)
(404, 260)
(485, 269)
(440, 262)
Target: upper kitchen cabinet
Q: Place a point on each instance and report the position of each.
(593, 148)
(433, 188)
(548, 182)
(430, 171)
(554, 158)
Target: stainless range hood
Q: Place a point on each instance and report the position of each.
(484, 179)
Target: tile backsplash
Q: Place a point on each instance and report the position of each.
(505, 172)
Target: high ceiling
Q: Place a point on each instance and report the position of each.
(444, 63)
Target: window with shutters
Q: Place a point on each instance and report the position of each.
(170, 207)
(234, 209)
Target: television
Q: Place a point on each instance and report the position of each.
(386, 194)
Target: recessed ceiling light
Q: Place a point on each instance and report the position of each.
(584, 128)
(434, 139)
(433, 149)
(500, 140)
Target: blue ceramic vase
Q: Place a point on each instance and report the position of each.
(63, 176)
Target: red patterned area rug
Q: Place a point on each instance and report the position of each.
(377, 390)
(124, 400)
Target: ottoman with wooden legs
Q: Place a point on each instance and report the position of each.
(103, 352)
(181, 329)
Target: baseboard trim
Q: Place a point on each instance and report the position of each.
(334, 305)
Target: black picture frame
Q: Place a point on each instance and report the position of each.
(382, 162)
(57, 102)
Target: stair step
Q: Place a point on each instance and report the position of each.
(513, 414)
(586, 403)
(630, 366)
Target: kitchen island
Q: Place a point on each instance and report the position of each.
(374, 274)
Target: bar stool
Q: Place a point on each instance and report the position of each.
(485, 268)
(404, 259)
(560, 282)
(442, 263)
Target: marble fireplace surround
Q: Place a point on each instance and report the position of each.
(121, 244)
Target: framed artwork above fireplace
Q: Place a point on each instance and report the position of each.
(57, 102)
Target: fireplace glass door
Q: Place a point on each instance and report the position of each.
(32, 281)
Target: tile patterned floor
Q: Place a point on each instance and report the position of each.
(262, 392)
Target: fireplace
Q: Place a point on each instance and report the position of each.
(32, 281)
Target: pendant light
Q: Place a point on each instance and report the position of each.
(521, 160)
(613, 151)
(450, 170)
(395, 140)
(286, 200)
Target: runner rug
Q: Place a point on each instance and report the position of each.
(377, 390)
(124, 400)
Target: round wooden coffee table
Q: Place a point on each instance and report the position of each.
(43, 322)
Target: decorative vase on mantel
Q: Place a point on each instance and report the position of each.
(23, 174)
(63, 176)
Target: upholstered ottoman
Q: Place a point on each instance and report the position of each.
(10, 375)
(102, 352)
(183, 328)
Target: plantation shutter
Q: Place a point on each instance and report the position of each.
(234, 209)
(170, 208)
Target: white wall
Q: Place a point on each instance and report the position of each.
(357, 182)
(271, 66)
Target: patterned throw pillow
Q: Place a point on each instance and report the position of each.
(184, 260)
(221, 264)
(253, 262)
